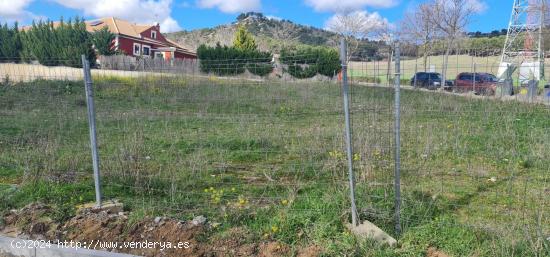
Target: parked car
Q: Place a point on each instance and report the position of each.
(479, 83)
(429, 80)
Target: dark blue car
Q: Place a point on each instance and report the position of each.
(430, 80)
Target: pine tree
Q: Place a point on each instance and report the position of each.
(244, 40)
(10, 43)
(103, 40)
(62, 44)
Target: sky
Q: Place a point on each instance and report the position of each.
(176, 15)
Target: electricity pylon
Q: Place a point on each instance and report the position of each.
(524, 42)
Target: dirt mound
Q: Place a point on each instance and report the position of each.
(168, 230)
(102, 226)
(273, 249)
(433, 252)
(95, 226)
(32, 221)
(240, 241)
(310, 251)
(234, 242)
(92, 226)
(107, 225)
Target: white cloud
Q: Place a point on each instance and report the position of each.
(340, 6)
(139, 11)
(231, 6)
(169, 25)
(478, 6)
(359, 24)
(14, 10)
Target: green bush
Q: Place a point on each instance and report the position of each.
(259, 63)
(302, 72)
(260, 69)
(307, 61)
(224, 60)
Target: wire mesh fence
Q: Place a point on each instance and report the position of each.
(472, 161)
(180, 144)
(272, 148)
(132, 63)
(476, 71)
(205, 146)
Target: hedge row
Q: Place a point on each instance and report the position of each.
(302, 62)
(224, 60)
(51, 44)
(306, 62)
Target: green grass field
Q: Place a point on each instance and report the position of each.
(270, 156)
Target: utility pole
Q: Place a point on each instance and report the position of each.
(524, 47)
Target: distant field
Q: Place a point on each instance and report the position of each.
(19, 72)
(371, 69)
(269, 157)
(457, 64)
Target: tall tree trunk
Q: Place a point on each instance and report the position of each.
(425, 57)
(445, 64)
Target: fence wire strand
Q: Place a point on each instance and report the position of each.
(175, 141)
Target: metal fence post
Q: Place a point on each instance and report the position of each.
(91, 122)
(343, 58)
(415, 71)
(474, 76)
(397, 100)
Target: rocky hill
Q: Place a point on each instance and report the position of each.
(271, 34)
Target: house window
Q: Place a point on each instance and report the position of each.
(146, 50)
(137, 49)
(153, 34)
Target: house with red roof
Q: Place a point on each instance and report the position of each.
(140, 40)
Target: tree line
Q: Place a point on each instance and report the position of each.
(53, 44)
(482, 46)
(300, 62)
(494, 33)
(438, 25)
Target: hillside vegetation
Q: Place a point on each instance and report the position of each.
(271, 34)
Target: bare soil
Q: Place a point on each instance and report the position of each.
(32, 222)
(433, 252)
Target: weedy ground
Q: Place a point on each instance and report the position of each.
(269, 156)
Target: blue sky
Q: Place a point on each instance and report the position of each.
(191, 14)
